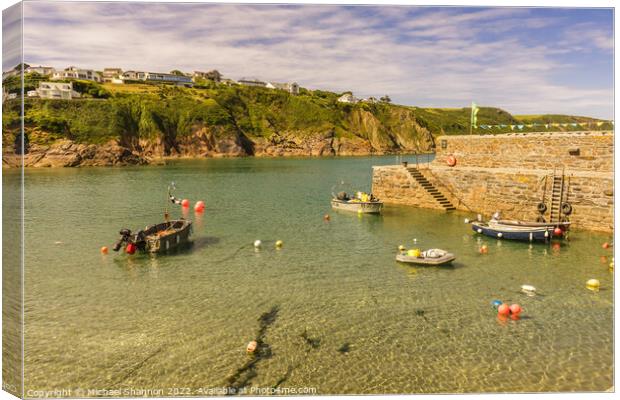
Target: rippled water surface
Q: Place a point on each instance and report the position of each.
(338, 313)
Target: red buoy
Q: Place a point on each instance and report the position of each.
(605, 245)
(326, 217)
(131, 248)
(185, 203)
(200, 206)
(515, 309)
(451, 161)
(503, 309)
(558, 231)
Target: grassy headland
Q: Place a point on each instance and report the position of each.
(239, 120)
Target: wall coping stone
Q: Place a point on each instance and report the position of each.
(529, 134)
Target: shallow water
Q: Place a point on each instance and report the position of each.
(346, 318)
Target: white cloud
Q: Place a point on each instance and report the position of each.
(421, 56)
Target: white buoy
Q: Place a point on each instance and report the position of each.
(528, 289)
(479, 230)
(252, 347)
(499, 235)
(467, 220)
(258, 244)
(546, 234)
(401, 248)
(479, 217)
(415, 240)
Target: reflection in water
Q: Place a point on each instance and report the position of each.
(185, 318)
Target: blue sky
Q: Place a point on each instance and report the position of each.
(525, 60)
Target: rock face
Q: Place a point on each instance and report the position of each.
(65, 153)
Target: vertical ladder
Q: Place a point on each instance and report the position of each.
(557, 197)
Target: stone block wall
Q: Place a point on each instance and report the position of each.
(510, 173)
(588, 151)
(394, 184)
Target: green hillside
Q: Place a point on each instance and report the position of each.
(137, 113)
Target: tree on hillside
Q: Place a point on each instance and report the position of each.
(177, 72)
(386, 99)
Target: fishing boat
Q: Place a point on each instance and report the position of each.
(156, 238)
(514, 232)
(159, 237)
(361, 203)
(428, 257)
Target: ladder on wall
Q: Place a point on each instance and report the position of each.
(559, 195)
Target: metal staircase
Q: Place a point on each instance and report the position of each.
(431, 189)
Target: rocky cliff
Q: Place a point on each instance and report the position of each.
(142, 124)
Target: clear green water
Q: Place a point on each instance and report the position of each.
(183, 320)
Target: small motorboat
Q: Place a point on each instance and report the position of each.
(362, 202)
(160, 237)
(428, 257)
(526, 233)
(156, 238)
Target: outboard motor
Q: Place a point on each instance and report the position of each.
(125, 234)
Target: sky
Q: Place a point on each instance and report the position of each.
(524, 60)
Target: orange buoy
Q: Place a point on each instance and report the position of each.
(515, 309)
(484, 249)
(451, 161)
(185, 203)
(131, 248)
(503, 309)
(605, 245)
(200, 206)
(104, 250)
(326, 217)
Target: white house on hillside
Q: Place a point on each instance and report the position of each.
(57, 90)
(40, 70)
(133, 75)
(77, 73)
(168, 78)
(251, 82)
(292, 88)
(111, 74)
(348, 98)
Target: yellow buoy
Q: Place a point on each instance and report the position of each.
(611, 265)
(279, 244)
(593, 284)
(414, 253)
(401, 248)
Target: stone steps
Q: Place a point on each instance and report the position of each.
(431, 189)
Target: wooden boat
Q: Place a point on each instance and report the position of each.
(428, 257)
(514, 232)
(157, 238)
(361, 203)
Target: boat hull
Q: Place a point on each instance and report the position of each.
(167, 236)
(365, 207)
(563, 225)
(522, 233)
(446, 259)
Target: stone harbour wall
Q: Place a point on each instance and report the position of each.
(503, 183)
(588, 151)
